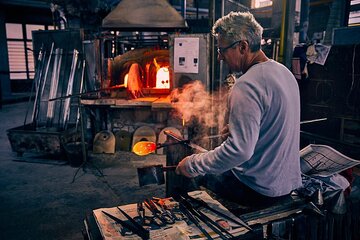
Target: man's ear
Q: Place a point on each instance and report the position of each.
(243, 46)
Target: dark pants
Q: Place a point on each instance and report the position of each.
(228, 187)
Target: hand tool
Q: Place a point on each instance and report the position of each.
(143, 233)
(193, 219)
(189, 143)
(145, 220)
(208, 221)
(116, 87)
(165, 213)
(135, 223)
(156, 212)
(171, 206)
(215, 226)
(204, 204)
(141, 212)
(155, 219)
(144, 148)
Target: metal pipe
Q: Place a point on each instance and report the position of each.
(54, 85)
(80, 90)
(314, 120)
(47, 69)
(36, 83)
(69, 90)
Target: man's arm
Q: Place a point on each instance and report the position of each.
(244, 127)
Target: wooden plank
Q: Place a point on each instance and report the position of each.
(162, 102)
(103, 101)
(139, 102)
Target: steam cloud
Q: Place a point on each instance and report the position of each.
(193, 102)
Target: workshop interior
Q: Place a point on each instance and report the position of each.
(101, 99)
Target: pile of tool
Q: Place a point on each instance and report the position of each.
(167, 211)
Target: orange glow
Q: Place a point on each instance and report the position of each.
(163, 78)
(126, 80)
(183, 122)
(144, 148)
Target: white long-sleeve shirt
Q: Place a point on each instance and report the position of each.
(262, 149)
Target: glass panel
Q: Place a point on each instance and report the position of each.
(354, 18)
(261, 3)
(17, 62)
(14, 30)
(18, 76)
(31, 75)
(32, 27)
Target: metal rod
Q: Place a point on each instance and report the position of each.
(35, 82)
(180, 139)
(80, 91)
(205, 205)
(47, 69)
(38, 103)
(86, 93)
(314, 120)
(193, 219)
(54, 85)
(69, 90)
(82, 131)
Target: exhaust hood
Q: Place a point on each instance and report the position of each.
(147, 15)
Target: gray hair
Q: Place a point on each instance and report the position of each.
(239, 26)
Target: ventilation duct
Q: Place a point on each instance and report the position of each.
(146, 15)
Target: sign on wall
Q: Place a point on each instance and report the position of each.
(186, 55)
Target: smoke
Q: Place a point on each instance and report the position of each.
(194, 104)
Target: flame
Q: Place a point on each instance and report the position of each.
(144, 148)
(126, 80)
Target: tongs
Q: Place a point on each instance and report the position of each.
(196, 213)
(133, 226)
(204, 204)
(163, 217)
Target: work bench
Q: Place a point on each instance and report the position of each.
(297, 217)
(292, 219)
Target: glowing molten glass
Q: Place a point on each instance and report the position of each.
(144, 148)
(163, 78)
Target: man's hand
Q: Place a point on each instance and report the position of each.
(181, 168)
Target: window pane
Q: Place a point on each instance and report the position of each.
(51, 27)
(31, 27)
(261, 3)
(14, 30)
(18, 76)
(17, 60)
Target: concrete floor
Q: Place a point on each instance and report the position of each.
(44, 201)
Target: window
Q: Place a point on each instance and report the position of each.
(261, 3)
(19, 43)
(354, 15)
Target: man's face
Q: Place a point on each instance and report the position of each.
(229, 53)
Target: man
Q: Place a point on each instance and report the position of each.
(259, 161)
